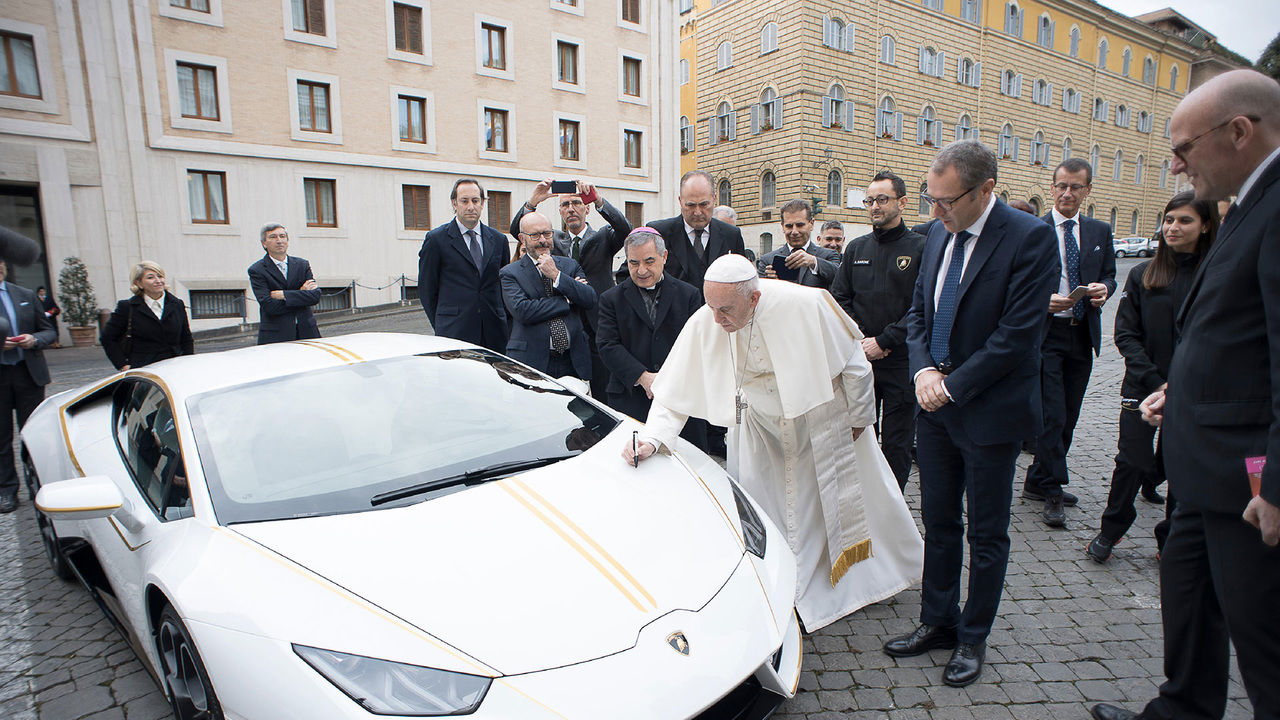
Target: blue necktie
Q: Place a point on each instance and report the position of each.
(945, 314)
(1072, 251)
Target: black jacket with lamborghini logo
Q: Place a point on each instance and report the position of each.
(875, 282)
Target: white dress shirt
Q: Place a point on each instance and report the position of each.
(706, 237)
(156, 306)
(974, 231)
(1064, 285)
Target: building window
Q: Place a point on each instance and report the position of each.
(408, 22)
(22, 78)
(1133, 224)
(1126, 62)
(1013, 19)
(886, 50)
(968, 72)
(1149, 71)
(769, 38)
(969, 10)
(1071, 100)
(569, 139)
(1066, 149)
(924, 208)
(768, 190)
(196, 5)
(1101, 109)
(1011, 83)
(835, 189)
(1112, 223)
(1122, 116)
(888, 122)
(334, 298)
(198, 91)
(1044, 32)
(1102, 53)
(1164, 174)
(932, 4)
(724, 193)
(1007, 144)
(1039, 150)
(1074, 50)
(634, 212)
(413, 113)
(1137, 170)
(724, 55)
(207, 193)
(210, 304)
(631, 77)
(308, 16)
(837, 35)
(321, 210)
(767, 115)
(495, 130)
(686, 135)
(964, 128)
(1035, 205)
(1173, 79)
(684, 72)
(499, 203)
(567, 62)
(1042, 93)
(493, 46)
(1095, 156)
(313, 106)
(928, 129)
(631, 143)
(932, 62)
(631, 11)
(1166, 127)
(837, 112)
(1117, 168)
(723, 124)
(417, 206)
(1144, 122)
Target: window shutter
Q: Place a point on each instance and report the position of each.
(1053, 28)
(315, 16)
(1013, 151)
(755, 119)
(957, 131)
(937, 133)
(415, 31)
(711, 131)
(848, 37)
(960, 78)
(920, 129)
(940, 64)
(1066, 104)
(402, 27)
(733, 124)
(924, 68)
(826, 112)
(1019, 84)
(777, 114)
(977, 72)
(1022, 13)
(898, 118)
(880, 118)
(848, 113)
(1048, 93)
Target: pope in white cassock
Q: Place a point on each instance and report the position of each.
(781, 365)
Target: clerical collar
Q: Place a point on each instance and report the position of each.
(655, 285)
(891, 234)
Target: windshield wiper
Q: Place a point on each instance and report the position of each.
(470, 477)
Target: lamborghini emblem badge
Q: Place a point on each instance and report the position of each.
(904, 262)
(679, 643)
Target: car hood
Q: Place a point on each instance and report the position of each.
(544, 569)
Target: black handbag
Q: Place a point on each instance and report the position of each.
(126, 345)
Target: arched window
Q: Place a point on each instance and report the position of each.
(1149, 70)
(769, 38)
(836, 112)
(932, 61)
(1035, 205)
(768, 189)
(724, 55)
(1133, 226)
(1164, 174)
(766, 242)
(1102, 53)
(1173, 78)
(768, 115)
(1126, 62)
(927, 128)
(1075, 42)
(887, 122)
(1113, 218)
(1013, 19)
(1006, 143)
(1092, 208)
(684, 72)
(886, 49)
(1095, 156)
(1071, 100)
(725, 121)
(1122, 116)
(924, 209)
(1118, 166)
(834, 189)
(724, 193)
(1044, 32)
(964, 128)
(1039, 150)
(1066, 149)
(968, 72)
(686, 135)
(1137, 171)
(833, 33)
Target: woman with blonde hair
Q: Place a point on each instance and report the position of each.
(150, 326)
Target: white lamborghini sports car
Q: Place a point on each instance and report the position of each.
(408, 526)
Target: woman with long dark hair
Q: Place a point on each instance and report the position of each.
(1144, 335)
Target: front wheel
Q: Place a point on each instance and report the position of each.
(185, 680)
(48, 535)
(1120, 253)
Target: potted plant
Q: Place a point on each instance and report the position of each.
(79, 305)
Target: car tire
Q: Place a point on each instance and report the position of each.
(1120, 253)
(1145, 253)
(48, 535)
(182, 672)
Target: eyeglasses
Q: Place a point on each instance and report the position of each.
(946, 204)
(1181, 149)
(574, 201)
(544, 235)
(1073, 187)
(881, 200)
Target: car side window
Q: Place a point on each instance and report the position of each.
(147, 438)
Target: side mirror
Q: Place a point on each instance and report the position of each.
(86, 498)
(581, 387)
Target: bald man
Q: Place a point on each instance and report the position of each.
(1219, 576)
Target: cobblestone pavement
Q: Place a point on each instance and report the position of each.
(1070, 632)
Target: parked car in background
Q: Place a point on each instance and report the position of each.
(1130, 246)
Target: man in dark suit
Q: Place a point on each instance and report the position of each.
(973, 336)
(544, 294)
(23, 372)
(815, 265)
(639, 322)
(591, 248)
(875, 284)
(285, 290)
(458, 273)
(695, 238)
(1220, 577)
(1074, 334)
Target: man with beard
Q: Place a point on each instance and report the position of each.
(874, 283)
(806, 263)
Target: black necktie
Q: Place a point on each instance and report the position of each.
(1071, 248)
(698, 246)
(477, 254)
(577, 246)
(559, 331)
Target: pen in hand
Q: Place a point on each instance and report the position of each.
(635, 452)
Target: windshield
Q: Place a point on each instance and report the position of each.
(329, 441)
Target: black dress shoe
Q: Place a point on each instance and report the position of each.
(1099, 550)
(965, 664)
(1034, 494)
(1054, 515)
(921, 640)
(9, 503)
(1150, 495)
(1104, 711)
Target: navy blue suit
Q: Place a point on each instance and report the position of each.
(290, 318)
(460, 301)
(969, 445)
(531, 309)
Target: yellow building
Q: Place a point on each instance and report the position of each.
(810, 99)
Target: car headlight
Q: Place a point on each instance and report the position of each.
(390, 688)
(752, 527)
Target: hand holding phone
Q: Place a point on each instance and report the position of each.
(564, 187)
(1080, 293)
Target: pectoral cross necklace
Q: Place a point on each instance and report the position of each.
(739, 403)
